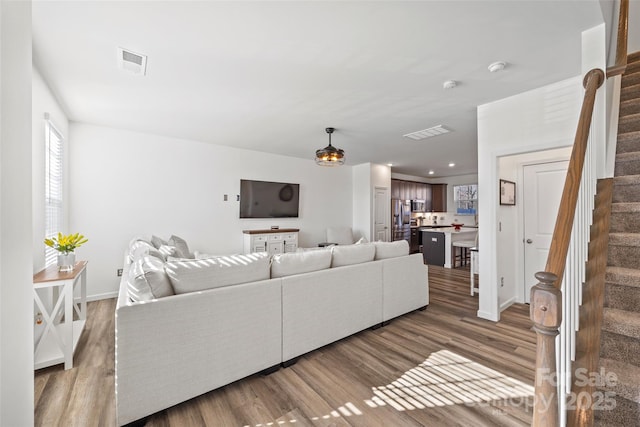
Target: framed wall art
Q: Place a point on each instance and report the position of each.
(507, 193)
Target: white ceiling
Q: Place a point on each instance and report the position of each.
(270, 76)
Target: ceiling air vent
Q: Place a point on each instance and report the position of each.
(427, 133)
(132, 62)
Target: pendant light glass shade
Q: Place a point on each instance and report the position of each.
(330, 155)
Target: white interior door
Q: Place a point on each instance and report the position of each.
(542, 191)
(381, 214)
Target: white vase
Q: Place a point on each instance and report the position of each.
(66, 261)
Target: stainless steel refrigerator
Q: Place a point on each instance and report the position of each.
(401, 220)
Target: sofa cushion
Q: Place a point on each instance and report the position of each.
(292, 263)
(182, 249)
(198, 275)
(352, 254)
(391, 249)
(148, 279)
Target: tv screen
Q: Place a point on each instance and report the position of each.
(263, 199)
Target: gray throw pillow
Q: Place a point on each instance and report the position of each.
(182, 249)
(148, 280)
(157, 242)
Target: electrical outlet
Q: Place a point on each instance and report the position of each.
(226, 197)
(502, 282)
(119, 272)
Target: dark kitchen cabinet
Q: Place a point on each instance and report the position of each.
(395, 189)
(438, 197)
(414, 244)
(433, 248)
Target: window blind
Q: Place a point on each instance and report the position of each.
(54, 183)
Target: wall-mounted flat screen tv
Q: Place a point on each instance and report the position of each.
(264, 199)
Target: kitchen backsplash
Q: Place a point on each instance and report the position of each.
(445, 218)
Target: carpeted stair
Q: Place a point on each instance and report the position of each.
(620, 339)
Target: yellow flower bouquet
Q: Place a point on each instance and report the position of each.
(66, 243)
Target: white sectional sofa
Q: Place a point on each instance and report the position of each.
(175, 347)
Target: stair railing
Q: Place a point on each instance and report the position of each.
(565, 269)
(546, 298)
(621, 46)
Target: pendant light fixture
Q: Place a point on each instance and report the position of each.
(330, 155)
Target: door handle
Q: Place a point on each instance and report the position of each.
(529, 241)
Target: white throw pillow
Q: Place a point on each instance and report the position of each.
(391, 249)
(340, 235)
(198, 275)
(148, 280)
(299, 262)
(139, 248)
(352, 254)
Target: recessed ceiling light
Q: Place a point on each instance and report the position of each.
(431, 172)
(449, 84)
(497, 66)
(451, 164)
(427, 133)
(389, 164)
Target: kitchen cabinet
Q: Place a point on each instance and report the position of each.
(422, 191)
(395, 189)
(414, 243)
(438, 197)
(433, 248)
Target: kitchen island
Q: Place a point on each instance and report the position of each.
(449, 235)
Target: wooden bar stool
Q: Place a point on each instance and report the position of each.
(461, 250)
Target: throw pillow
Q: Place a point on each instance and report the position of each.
(148, 280)
(299, 262)
(168, 251)
(198, 275)
(391, 249)
(352, 254)
(157, 242)
(182, 249)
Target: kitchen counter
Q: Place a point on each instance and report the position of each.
(451, 235)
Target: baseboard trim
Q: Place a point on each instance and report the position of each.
(98, 297)
(508, 303)
(488, 316)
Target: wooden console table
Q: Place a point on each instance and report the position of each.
(273, 241)
(57, 336)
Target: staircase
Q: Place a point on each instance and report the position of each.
(620, 337)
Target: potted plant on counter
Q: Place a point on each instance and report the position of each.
(66, 245)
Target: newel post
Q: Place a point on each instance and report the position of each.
(546, 314)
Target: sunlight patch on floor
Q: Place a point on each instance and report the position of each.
(444, 378)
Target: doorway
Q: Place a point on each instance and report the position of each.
(542, 192)
(381, 214)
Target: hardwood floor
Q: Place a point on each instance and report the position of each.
(442, 366)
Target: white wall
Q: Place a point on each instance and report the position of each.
(633, 44)
(44, 102)
(124, 184)
(16, 265)
(540, 119)
(362, 201)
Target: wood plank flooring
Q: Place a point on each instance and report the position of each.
(439, 367)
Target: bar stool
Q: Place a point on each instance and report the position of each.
(463, 253)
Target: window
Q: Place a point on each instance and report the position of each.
(54, 182)
(465, 198)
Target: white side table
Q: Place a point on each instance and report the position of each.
(57, 336)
